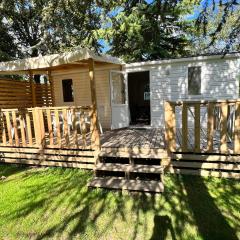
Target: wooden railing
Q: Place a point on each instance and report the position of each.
(49, 127)
(203, 126)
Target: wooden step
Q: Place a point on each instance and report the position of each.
(133, 153)
(118, 167)
(125, 184)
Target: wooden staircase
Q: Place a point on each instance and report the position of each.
(123, 170)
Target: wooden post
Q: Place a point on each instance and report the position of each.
(170, 127)
(197, 127)
(184, 127)
(223, 130)
(237, 129)
(95, 137)
(33, 90)
(210, 127)
(50, 79)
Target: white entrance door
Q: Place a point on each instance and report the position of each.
(119, 100)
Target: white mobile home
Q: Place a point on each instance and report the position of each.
(195, 78)
(134, 94)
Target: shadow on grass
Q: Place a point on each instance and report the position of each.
(63, 193)
(8, 170)
(162, 224)
(209, 219)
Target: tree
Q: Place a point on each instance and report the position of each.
(142, 31)
(48, 26)
(218, 24)
(8, 50)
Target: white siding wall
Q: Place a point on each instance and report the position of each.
(169, 82)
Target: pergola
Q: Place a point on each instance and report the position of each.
(44, 65)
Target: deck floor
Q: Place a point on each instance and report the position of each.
(154, 138)
(134, 137)
(142, 138)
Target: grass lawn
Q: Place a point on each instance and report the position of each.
(55, 203)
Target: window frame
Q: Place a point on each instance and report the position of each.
(63, 91)
(200, 92)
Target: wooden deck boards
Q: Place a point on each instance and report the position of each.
(142, 138)
(133, 138)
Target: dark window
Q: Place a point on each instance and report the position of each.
(67, 86)
(194, 80)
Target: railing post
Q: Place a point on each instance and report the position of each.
(223, 130)
(184, 127)
(170, 127)
(197, 127)
(210, 126)
(37, 127)
(237, 129)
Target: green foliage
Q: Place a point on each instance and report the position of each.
(217, 27)
(136, 30)
(48, 26)
(148, 31)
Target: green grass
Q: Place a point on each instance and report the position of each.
(55, 203)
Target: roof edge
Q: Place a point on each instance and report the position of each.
(183, 59)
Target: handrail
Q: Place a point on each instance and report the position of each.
(224, 112)
(203, 102)
(49, 127)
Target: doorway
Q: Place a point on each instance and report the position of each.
(139, 98)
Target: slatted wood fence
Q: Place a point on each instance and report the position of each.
(211, 146)
(19, 94)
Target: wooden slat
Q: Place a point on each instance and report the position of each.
(29, 129)
(75, 135)
(42, 126)
(184, 127)
(37, 132)
(210, 127)
(15, 126)
(50, 79)
(170, 125)
(22, 128)
(9, 128)
(205, 173)
(223, 130)
(59, 139)
(65, 126)
(83, 128)
(33, 90)
(47, 157)
(207, 165)
(70, 152)
(197, 127)
(237, 128)
(50, 129)
(49, 163)
(213, 158)
(4, 137)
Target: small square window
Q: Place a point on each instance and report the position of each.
(194, 80)
(67, 86)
